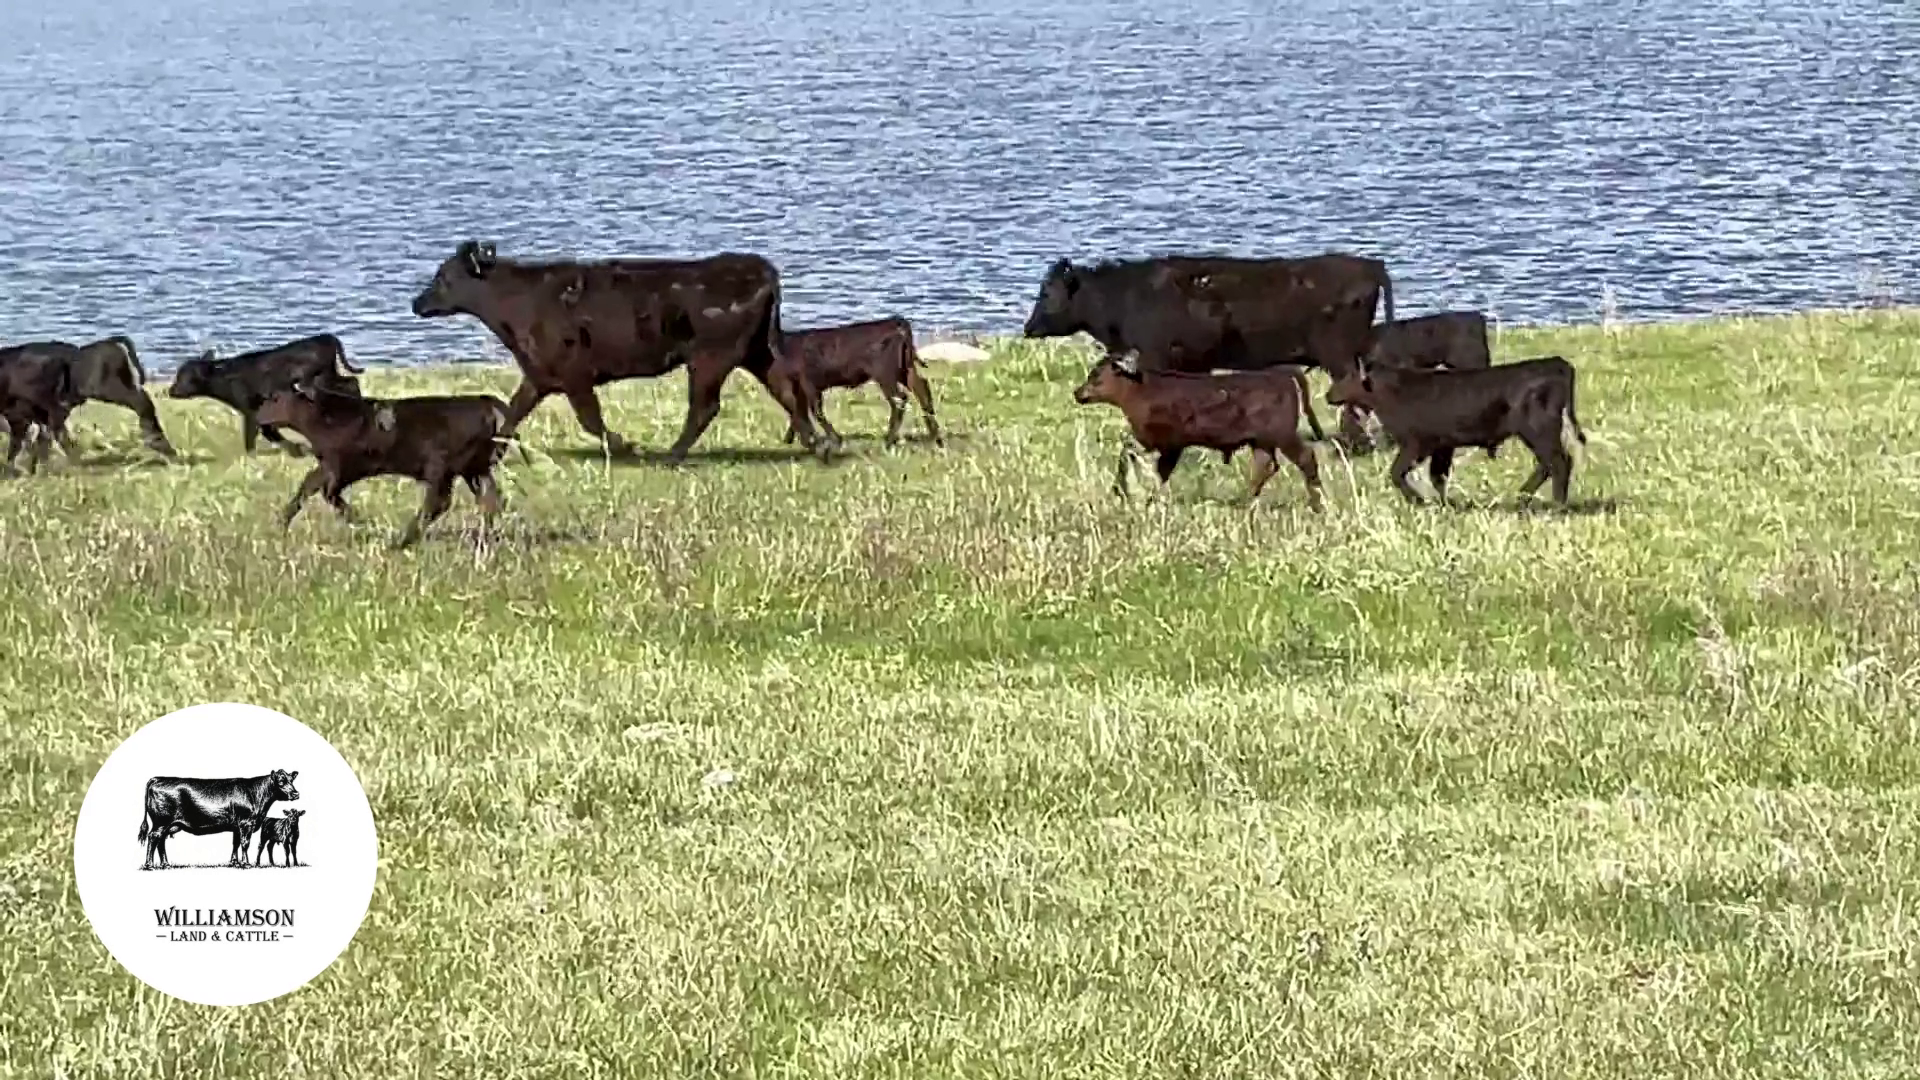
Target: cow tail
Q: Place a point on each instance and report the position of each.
(133, 357)
(143, 828)
(340, 357)
(502, 435)
(1386, 292)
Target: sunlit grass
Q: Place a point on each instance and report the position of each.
(1030, 780)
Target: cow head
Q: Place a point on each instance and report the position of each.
(1055, 310)
(280, 783)
(459, 283)
(1113, 376)
(194, 379)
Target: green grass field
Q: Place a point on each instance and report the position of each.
(1030, 780)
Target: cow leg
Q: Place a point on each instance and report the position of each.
(150, 431)
(896, 396)
(249, 432)
(704, 381)
(438, 496)
(1403, 464)
(42, 448)
(1437, 468)
(315, 479)
(790, 387)
(67, 444)
(917, 386)
(239, 840)
(586, 407)
(525, 398)
(1302, 457)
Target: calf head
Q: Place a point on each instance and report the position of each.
(459, 284)
(195, 377)
(294, 815)
(1112, 377)
(1056, 310)
(280, 785)
(1356, 386)
(294, 407)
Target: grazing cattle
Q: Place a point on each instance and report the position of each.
(201, 807)
(36, 390)
(575, 325)
(107, 370)
(245, 382)
(435, 440)
(1170, 412)
(1451, 339)
(1197, 313)
(845, 357)
(1431, 414)
(281, 831)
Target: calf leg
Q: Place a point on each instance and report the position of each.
(438, 495)
(896, 396)
(17, 432)
(249, 432)
(1306, 406)
(922, 393)
(316, 477)
(150, 431)
(1353, 427)
(1169, 459)
(292, 851)
(1437, 468)
(1403, 464)
(42, 448)
(1302, 457)
(265, 843)
(487, 493)
(1261, 469)
(334, 491)
(586, 407)
(1550, 459)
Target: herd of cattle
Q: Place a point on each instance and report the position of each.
(1201, 352)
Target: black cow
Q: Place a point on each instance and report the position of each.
(1451, 339)
(202, 807)
(36, 390)
(1431, 414)
(281, 831)
(575, 325)
(1202, 312)
(107, 370)
(844, 357)
(436, 440)
(245, 382)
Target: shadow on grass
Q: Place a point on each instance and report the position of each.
(1536, 506)
(722, 455)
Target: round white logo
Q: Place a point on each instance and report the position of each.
(225, 854)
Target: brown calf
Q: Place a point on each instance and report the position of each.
(1171, 412)
(1431, 414)
(846, 357)
(435, 440)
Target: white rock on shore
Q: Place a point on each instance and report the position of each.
(952, 352)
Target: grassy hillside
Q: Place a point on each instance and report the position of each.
(1032, 781)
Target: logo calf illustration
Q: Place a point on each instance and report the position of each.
(201, 807)
(284, 831)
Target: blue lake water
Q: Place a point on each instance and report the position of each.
(239, 172)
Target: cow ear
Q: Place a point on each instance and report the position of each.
(476, 263)
(1128, 365)
(486, 258)
(294, 775)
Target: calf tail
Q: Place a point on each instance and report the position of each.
(1578, 432)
